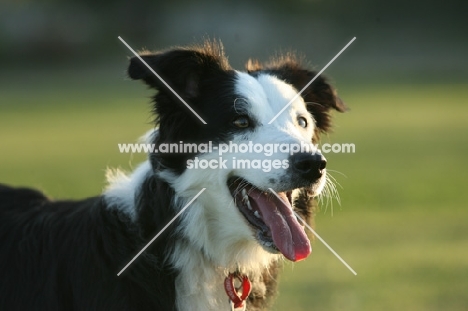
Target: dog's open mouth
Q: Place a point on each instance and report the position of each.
(277, 228)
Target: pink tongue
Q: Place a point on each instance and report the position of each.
(287, 234)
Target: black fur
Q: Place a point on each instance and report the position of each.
(65, 255)
(201, 75)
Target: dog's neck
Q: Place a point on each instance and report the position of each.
(200, 283)
(201, 258)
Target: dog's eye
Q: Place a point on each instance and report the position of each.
(302, 122)
(241, 122)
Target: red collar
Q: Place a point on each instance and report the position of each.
(232, 292)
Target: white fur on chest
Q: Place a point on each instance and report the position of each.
(200, 283)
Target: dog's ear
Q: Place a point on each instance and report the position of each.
(181, 68)
(319, 96)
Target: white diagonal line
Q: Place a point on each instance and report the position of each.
(313, 79)
(162, 80)
(160, 232)
(318, 237)
(325, 243)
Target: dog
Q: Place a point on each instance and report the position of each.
(65, 255)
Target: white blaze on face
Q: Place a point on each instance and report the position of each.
(264, 96)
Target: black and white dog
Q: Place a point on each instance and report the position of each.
(65, 255)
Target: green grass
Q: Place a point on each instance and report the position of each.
(402, 223)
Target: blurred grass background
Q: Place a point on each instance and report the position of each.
(65, 104)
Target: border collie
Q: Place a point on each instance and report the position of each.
(65, 255)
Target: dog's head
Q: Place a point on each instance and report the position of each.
(255, 122)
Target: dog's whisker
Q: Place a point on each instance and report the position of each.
(338, 172)
(333, 179)
(333, 182)
(326, 196)
(329, 193)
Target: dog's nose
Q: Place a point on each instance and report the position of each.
(309, 166)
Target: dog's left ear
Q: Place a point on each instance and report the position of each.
(320, 96)
(181, 68)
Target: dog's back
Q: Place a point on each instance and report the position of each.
(15, 198)
(64, 256)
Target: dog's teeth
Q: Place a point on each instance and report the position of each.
(245, 197)
(248, 205)
(256, 214)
